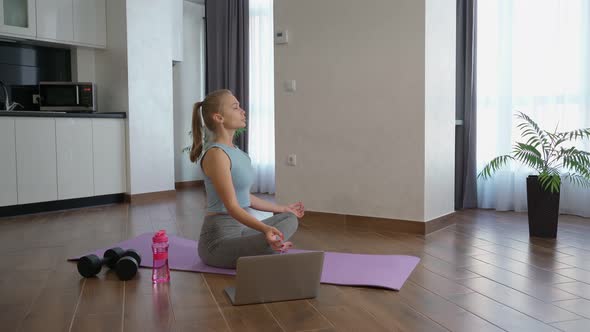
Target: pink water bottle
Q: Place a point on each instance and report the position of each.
(160, 270)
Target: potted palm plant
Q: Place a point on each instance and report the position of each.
(544, 152)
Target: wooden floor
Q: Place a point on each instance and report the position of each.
(482, 274)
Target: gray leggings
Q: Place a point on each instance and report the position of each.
(223, 239)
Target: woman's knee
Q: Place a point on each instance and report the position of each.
(204, 254)
(216, 260)
(293, 219)
(289, 224)
(287, 216)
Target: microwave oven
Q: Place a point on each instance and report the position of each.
(67, 96)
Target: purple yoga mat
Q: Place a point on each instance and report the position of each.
(386, 271)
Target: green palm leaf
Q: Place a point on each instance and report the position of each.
(531, 128)
(550, 180)
(529, 155)
(578, 167)
(578, 154)
(578, 179)
(556, 139)
(576, 160)
(494, 166)
(576, 134)
(534, 142)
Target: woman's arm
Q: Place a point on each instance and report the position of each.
(263, 205)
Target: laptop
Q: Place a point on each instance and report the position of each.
(278, 277)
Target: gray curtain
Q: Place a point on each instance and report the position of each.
(465, 139)
(226, 34)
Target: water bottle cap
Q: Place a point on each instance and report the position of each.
(160, 237)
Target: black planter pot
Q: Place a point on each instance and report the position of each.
(543, 209)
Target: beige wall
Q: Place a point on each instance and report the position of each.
(439, 188)
(111, 63)
(357, 120)
(188, 88)
(134, 75)
(151, 121)
(107, 67)
(83, 64)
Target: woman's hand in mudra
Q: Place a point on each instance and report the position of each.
(274, 237)
(296, 208)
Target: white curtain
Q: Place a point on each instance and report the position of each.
(532, 56)
(261, 126)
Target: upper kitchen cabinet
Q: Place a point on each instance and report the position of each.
(17, 18)
(73, 22)
(177, 30)
(55, 20)
(90, 23)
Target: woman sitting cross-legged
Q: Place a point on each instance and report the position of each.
(229, 231)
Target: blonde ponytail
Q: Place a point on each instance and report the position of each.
(197, 126)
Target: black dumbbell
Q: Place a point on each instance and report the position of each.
(89, 266)
(127, 266)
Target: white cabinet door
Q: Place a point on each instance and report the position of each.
(17, 17)
(35, 160)
(110, 157)
(8, 193)
(90, 22)
(74, 158)
(177, 30)
(55, 20)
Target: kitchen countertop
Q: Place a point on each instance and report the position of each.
(43, 114)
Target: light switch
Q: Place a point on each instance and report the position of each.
(290, 86)
(281, 37)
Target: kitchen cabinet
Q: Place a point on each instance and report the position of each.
(48, 159)
(17, 18)
(74, 158)
(73, 22)
(36, 160)
(90, 22)
(8, 193)
(110, 156)
(55, 20)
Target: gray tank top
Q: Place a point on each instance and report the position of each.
(242, 175)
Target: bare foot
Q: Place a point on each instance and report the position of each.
(286, 246)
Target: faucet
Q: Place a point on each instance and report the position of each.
(8, 106)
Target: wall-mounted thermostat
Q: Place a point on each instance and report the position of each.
(281, 37)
